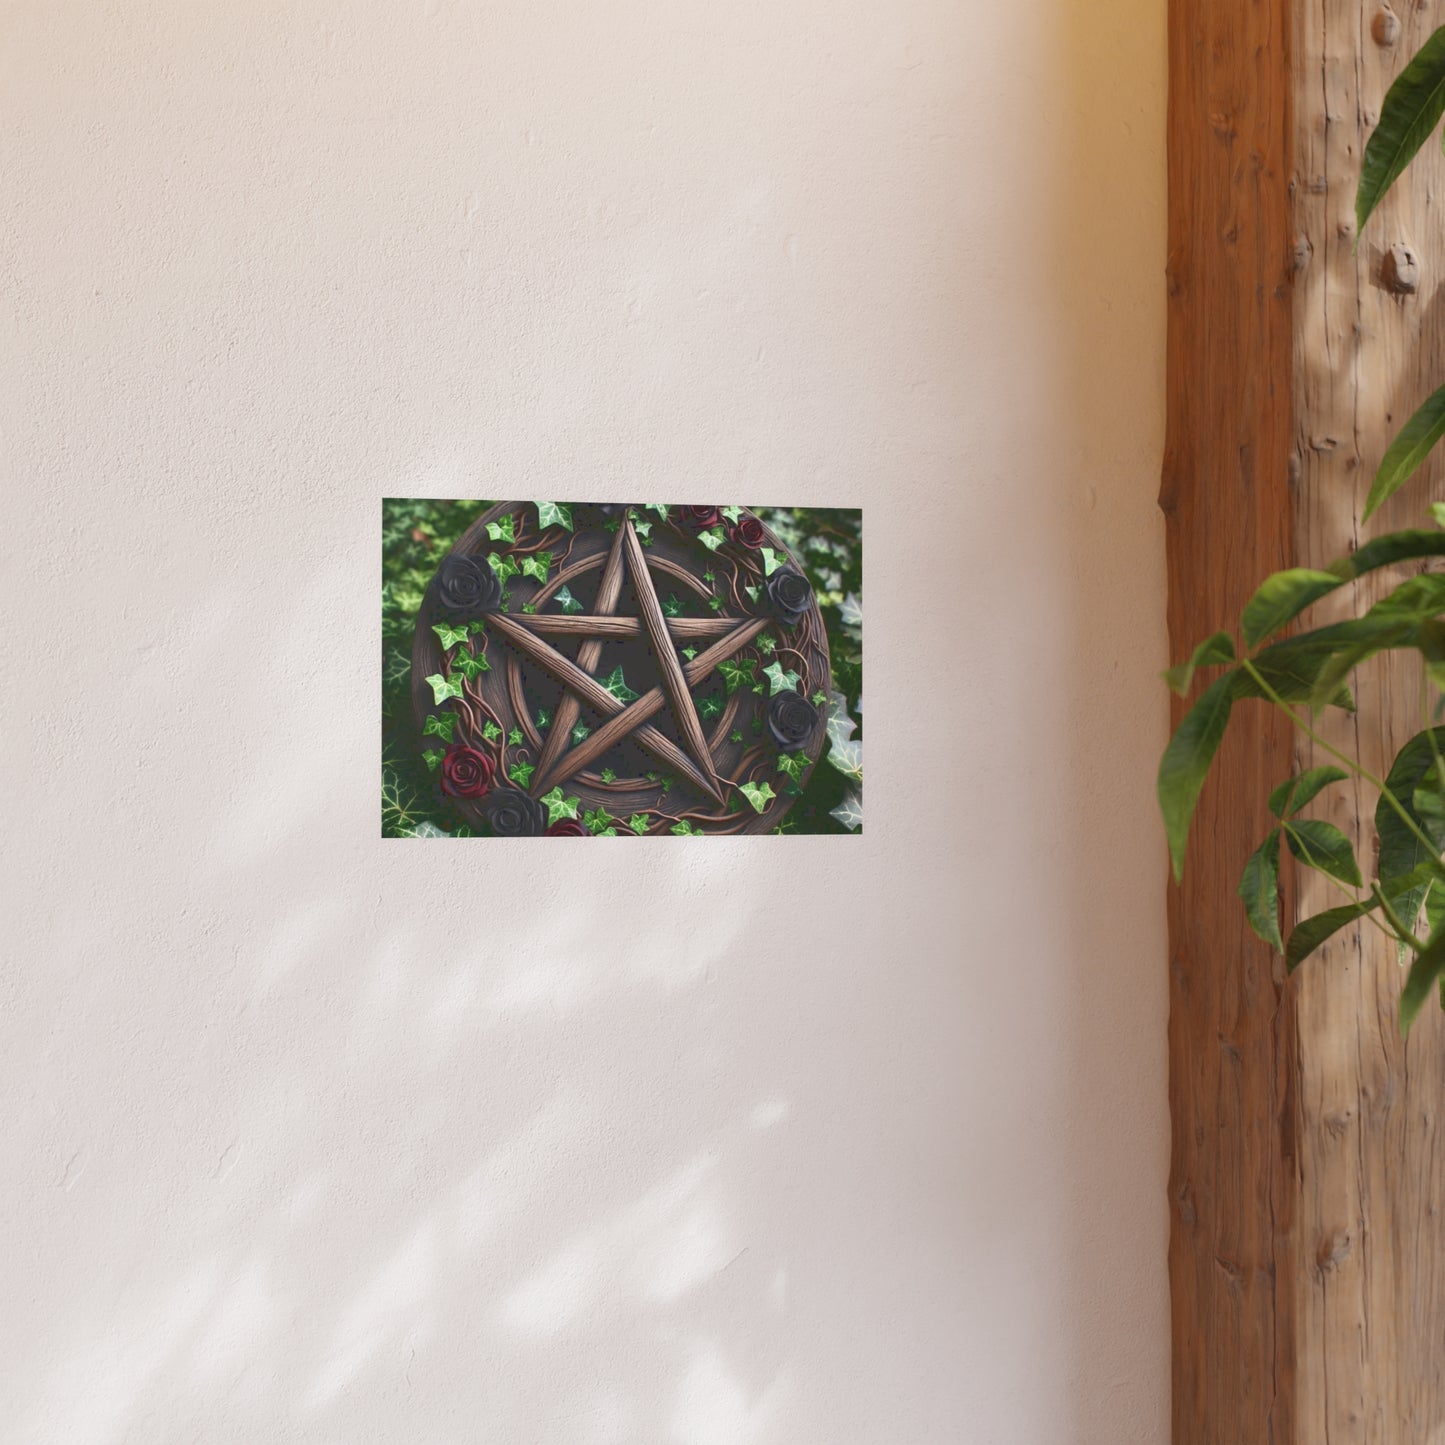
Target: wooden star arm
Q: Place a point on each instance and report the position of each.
(584, 624)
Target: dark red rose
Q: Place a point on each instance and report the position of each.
(700, 517)
(748, 532)
(567, 828)
(466, 773)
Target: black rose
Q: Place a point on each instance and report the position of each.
(466, 586)
(512, 814)
(790, 593)
(791, 719)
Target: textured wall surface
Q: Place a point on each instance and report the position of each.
(311, 1138)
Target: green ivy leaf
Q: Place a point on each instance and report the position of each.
(537, 565)
(685, 829)
(660, 508)
(644, 532)
(850, 610)
(477, 624)
(491, 731)
(1259, 887)
(765, 644)
(689, 653)
(609, 775)
(639, 823)
(709, 576)
(710, 707)
(668, 783)
(597, 820)
(521, 773)
(579, 733)
(503, 531)
(732, 514)
(850, 811)
(847, 757)
(1186, 761)
(440, 725)
(757, 722)
(617, 686)
(529, 608)
(781, 681)
(1412, 108)
(471, 666)
(673, 606)
(566, 601)
(771, 562)
(450, 636)
(734, 674)
(442, 689)
(433, 758)
(554, 514)
(753, 592)
(712, 539)
(715, 603)
(559, 807)
(504, 567)
(758, 794)
(795, 764)
(613, 526)
(514, 738)
(544, 718)
(735, 736)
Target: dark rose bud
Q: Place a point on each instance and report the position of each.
(466, 586)
(791, 719)
(700, 517)
(567, 828)
(790, 593)
(748, 532)
(512, 814)
(466, 773)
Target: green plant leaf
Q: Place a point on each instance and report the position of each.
(580, 733)
(732, 514)
(712, 539)
(644, 532)
(841, 726)
(1322, 846)
(1297, 792)
(521, 773)
(779, 680)
(440, 725)
(850, 614)
(1186, 761)
(1417, 599)
(491, 731)
(685, 829)
(1425, 972)
(1414, 442)
(608, 775)
(597, 820)
(1259, 887)
(537, 565)
(795, 764)
(504, 567)
(735, 736)
(1309, 933)
(450, 636)
(1279, 599)
(470, 666)
(772, 560)
(673, 606)
(847, 757)
(689, 653)
(850, 811)
(1404, 864)
(660, 508)
(503, 531)
(715, 603)
(734, 674)
(753, 592)
(544, 718)
(758, 794)
(554, 514)
(514, 738)
(639, 823)
(1218, 648)
(442, 689)
(433, 758)
(617, 686)
(1412, 108)
(1406, 546)
(559, 807)
(565, 600)
(710, 707)
(819, 698)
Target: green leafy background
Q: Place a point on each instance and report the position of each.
(416, 532)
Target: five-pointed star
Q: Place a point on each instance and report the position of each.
(693, 760)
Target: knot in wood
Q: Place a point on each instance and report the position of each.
(1400, 271)
(1385, 27)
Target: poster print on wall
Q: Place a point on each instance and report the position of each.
(620, 670)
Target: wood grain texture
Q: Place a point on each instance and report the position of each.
(1307, 1258)
(582, 624)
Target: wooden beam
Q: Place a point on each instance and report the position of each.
(1307, 1258)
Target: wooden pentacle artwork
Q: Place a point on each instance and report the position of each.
(591, 669)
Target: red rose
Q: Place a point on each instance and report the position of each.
(466, 773)
(567, 828)
(700, 517)
(748, 532)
